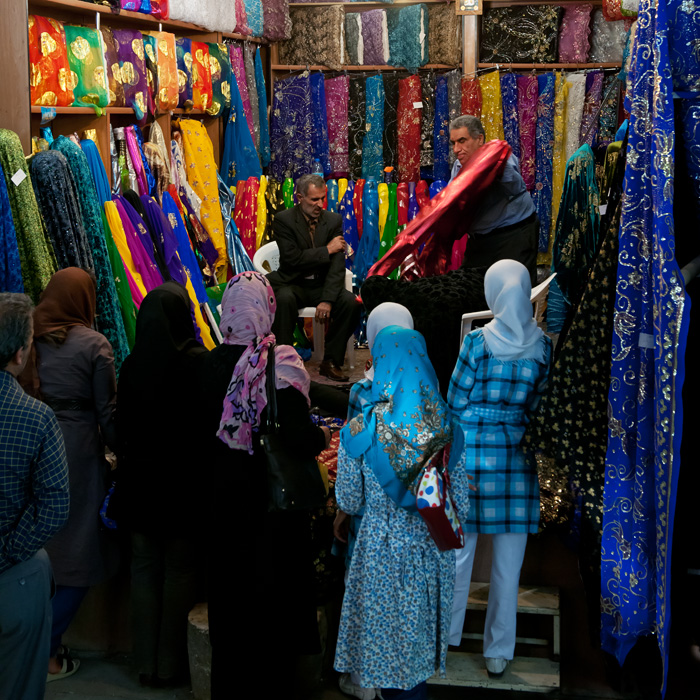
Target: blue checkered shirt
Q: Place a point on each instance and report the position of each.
(33, 474)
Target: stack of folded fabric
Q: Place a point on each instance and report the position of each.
(318, 37)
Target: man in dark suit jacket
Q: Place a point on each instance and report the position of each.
(312, 273)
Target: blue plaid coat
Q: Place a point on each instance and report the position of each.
(492, 400)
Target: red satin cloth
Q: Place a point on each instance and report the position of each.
(357, 204)
(409, 120)
(471, 97)
(402, 203)
(445, 219)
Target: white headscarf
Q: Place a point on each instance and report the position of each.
(386, 314)
(513, 334)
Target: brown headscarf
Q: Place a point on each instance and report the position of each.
(68, 300)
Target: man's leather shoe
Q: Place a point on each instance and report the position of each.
(329, 369)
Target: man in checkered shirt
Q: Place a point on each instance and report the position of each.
(33, 507)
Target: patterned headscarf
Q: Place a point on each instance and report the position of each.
(406, 421)
(247, 312)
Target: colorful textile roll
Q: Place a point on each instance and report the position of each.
(55, 193)
(573, 34)
(520, 34)
(375, 38)
(86, 62)
(444, 35)
(357, 121)
(318, 37)
(277, 24)
(574, 111)
(238, 70)
(369, 243)
(491, 109)
(166, 98)
(183, 52)
(357, 197)
(383, 211)
(292, 124)
(561, 91)
(527, 118)
(131, 59)
(201, 174)
(509, 99)
(427, 122)
(254, 13)
(97, 170)
(471, 97)
(408, 36)
(220, 68)
(337, 113)
(239, 260)
(10, 271)
(249, 65)
(347, 210)
(607, 39)
(332, 195)
(115, 89)
(353, 39)
(264, 147)
(409, 128)
(51, 83)
(201, 77)
(591, 107)
(372, 146)
(288, 192)
(319, 134)
(390, 227)
(542, 192)
(441, 131)
(607, 120)
(261, 224)
(390, 139)
(150, 58)
(402, 197)
(160, 9)
(109, 315)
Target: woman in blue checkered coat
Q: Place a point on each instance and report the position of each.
(499, 377)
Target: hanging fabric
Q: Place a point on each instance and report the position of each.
(166, 98)
(372, 143)
(183, 51)
(150, 49)
(261, 224)
(131, 59)
(390, 136)
(607, 119)
(220, 69)
(347, 210)
(471, 97)
(337, 94)
(249, 65)
(264, 148)
(561, 90)
(10, 272)
(369, 243)
(50, 81)
(441, 131)
(491, 107)
(427, 124)
(409, 128)
(357, 118)
(527, 119)
(237, 256)
(238, 70)
(591, 108)
(201, 77)
(574, 111)
(115, 89)
(319, 145)
(544, 140)
(86, 61)
(509, 99)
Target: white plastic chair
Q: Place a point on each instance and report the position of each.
(537, 297)
(267, 259)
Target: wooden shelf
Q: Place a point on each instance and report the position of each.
(364, 3)
(36, 109)
(563, 3)
(428, 66)
(549, 66)
(125, 17)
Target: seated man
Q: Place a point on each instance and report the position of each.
(505, 224)
(312, 273)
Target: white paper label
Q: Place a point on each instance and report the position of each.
(646, 340)
(18, 177)
(417, 105)
(602, 209)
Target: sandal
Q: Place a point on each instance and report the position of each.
(63, 650)
(68, 668)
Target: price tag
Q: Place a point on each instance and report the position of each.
(417, 105)
(602, 209)
(18, 177)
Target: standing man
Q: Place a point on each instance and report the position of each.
(33, 506)
(505, 225)
(312, 273)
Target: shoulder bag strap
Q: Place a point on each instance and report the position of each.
(271, 392)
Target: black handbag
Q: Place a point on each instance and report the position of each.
(294, 480)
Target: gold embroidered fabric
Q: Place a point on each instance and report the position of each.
(318, 37)
(491, 107)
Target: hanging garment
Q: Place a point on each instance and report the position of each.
(408, 36)
(607, 119)
(409, 128)
(576, 237)
(337, 94)
(509, 99)
(264, 147)
(183, 52)
(202, 176)
(491, 108)
(520, 34)
(527, 118)
(137, 285)
(131, 59)
(320, 146)
(574, 111)
(369, 243)
(445, 35)
(347, 210)
(441, 131)
(561, 91)
(471, 97)
(574, 34)
(238, 70)
(248, 64)
(277, 24)
(357, 118)
(86, 61)
(375, 38)
(166, 97)
(115, 89)
(591, 107)
(50, 81)
(201, 77)
(97, 170)
(241, 17)
(220, 69)
(10, 272)
(55, 193)
(427, 124)
(542, 191)
(109, 316)
(317, 37)
(358, 205)
(292, 124)
(372, 143)
(390, 143)
(150, 49)
(239, 159)
(261, 228)
(237, 256)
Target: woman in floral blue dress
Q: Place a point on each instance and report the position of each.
(396, 611)
(500, 375)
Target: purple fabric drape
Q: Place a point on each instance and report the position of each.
(527, 118)
(373, 23)
(594, 95)
(337, 90)
(238, 68)
(133, 68)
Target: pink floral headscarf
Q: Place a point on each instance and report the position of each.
(247, 312)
